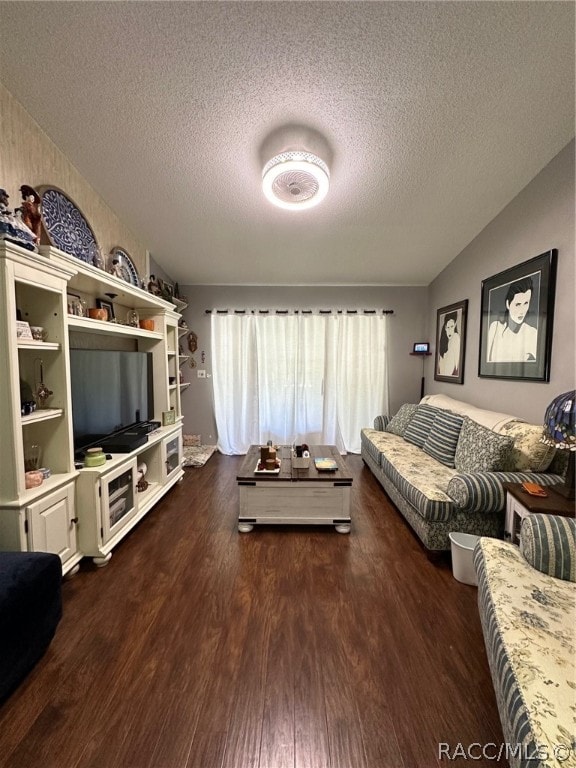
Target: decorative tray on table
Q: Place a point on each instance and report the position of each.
(258, 471)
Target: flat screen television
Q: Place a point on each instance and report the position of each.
(111, 391)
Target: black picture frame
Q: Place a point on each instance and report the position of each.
(450, 352)
(519, 350)
(103, 304)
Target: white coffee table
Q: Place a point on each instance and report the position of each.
(294, 496)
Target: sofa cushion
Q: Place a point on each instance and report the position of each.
(527, 451)
(373, 442)
(442, 439)
(420, 425)
(398, 423)
(548, 543)
(480, 449)
(528, 621)
(420, 479)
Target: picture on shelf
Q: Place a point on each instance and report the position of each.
(23, 331)
(107, 305)
(168, 417)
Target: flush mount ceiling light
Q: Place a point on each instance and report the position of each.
(295, 180)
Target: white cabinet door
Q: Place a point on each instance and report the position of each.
(118, 492)
(52, 525)
(172, 455)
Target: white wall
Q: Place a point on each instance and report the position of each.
(540, 218)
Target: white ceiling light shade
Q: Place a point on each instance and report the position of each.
(295, 180)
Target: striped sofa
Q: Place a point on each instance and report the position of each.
(443, 463)
(527, 604)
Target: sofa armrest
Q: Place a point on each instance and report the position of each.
(381, 422)
(548, 543)
(484, 491)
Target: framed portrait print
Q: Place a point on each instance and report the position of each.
(516, 321)
(108, 306)
(451, 342)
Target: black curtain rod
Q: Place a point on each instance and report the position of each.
(299, 311)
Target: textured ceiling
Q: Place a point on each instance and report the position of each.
(437, 114)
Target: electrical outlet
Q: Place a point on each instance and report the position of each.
(202, 374)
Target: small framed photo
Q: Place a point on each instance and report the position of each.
(23, 332)
(421, 348)
(516, 321)
(103, 304)
(451, 342)
(168, 417)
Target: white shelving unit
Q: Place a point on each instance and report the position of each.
(71, 512)
(41, 518)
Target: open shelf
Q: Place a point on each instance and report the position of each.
(42, 414)
(87, 325)
(40, 346)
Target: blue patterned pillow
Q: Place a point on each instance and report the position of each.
(420, 425)
(442, 439)
(480, 449)
(398, 423)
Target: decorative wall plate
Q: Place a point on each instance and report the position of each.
(66, 226)
(121, 265)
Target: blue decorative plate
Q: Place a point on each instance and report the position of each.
(121, 265)
(65, 225)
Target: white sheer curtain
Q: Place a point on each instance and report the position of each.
(304, 378)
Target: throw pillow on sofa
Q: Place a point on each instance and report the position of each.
(481, 450)
(398, 423)
(420, 425)
(528, 453)
(442, 439)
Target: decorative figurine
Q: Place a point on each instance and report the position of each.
(116, 269)
(41, 394)
(12, 228)
(30, 208)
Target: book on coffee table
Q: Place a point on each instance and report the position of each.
(325, 465)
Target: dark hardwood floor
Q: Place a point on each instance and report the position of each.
(199, 647)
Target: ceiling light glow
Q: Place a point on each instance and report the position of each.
(295, 180)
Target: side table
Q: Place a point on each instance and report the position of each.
(519, 503)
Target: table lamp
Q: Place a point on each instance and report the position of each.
(560, 431)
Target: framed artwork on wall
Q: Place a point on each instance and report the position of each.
(451, 342)
(516, 321)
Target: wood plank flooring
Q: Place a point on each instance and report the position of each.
(199, 647)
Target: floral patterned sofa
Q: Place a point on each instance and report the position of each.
(527, 604)
(443, 463)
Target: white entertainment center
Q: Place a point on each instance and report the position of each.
(78, 512)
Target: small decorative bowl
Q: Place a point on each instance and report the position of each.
(33, 479)
(146, 324)
(98, 313)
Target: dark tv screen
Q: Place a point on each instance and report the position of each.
(111, 390)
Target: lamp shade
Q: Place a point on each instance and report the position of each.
(560, 422)
(560, 431)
